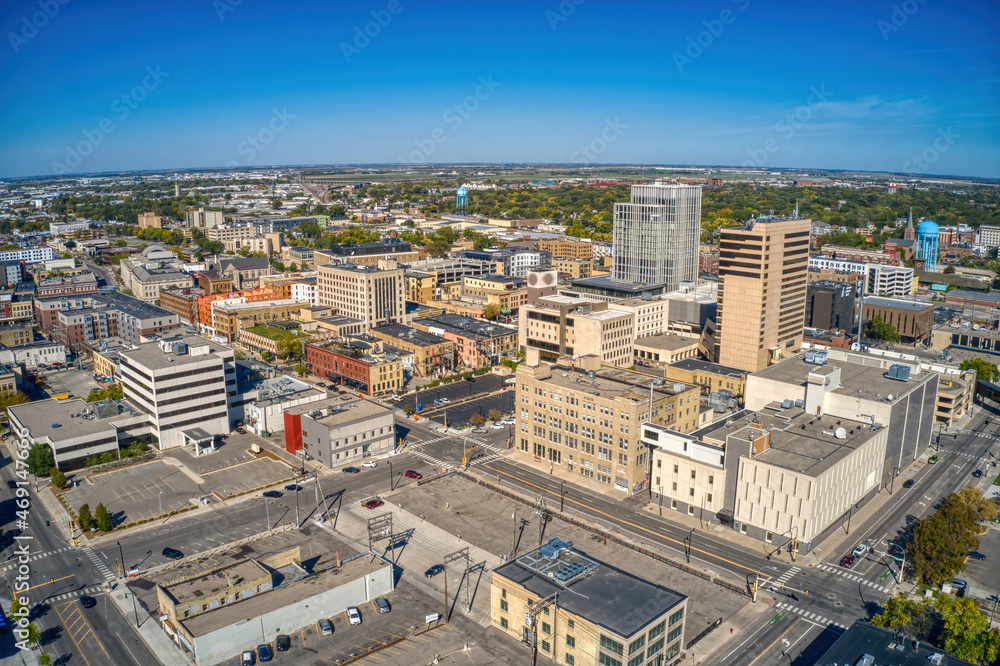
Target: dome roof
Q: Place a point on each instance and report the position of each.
(156, 248)
(927, 227)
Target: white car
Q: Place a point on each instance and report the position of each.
(369, 463)
(353, 615)
(498, 426)
(859, 550)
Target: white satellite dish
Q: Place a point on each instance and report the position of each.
(840, 433)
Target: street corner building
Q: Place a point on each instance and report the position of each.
(578, 611)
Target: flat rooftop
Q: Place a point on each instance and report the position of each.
(409, 334)
(885, 647)
(467, 326)
(359, 410)
(800, 441)
(912, 306)
(613, 382)
(149, 354)
(236, 307)
(608, 597)
(697, 365)
(54, 419)
(338, 402)
(667, 341)
(975, 295)
(858, 381)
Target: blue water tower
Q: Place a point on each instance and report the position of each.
(462, 200)
(927, 244)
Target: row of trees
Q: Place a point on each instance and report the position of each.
(100, 519)
(956, 625)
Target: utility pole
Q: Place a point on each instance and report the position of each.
(534, 610)
(513, 536)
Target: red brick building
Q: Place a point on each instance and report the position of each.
(708, 263)
(76, 285)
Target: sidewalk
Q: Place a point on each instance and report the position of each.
(159, 644)
(725, 633)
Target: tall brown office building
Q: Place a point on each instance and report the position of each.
(762, 290)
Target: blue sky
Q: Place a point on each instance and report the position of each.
(912, 86)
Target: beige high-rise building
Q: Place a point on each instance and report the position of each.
(560, 326)
(372, 294)
(204, 219)
(150, 221)
(762, 291)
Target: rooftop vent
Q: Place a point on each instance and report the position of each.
(898, 372)
(815, 357)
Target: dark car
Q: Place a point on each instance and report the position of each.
(374, 504)
(847, 562)
(272, 493)
(908, 483)
(977, 556)
(282, 643)
(351, 470)
(978, 473)
(293, 488)
(264, 652)
(172, 554)
(12, 484)
(88, 602)
(410, 474)
(434, 570)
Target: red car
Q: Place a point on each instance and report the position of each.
(847, 562)
(410, 474)
(374, 504)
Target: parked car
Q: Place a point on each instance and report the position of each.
(960, 587)
(374, 504)
(382, 604)
(847, 562)
(293, 488)
(977, 556)
(173, 554)
(908, 483)
(321, 385)
(369, 463)
(325, 627)
(272, 493)
(353, 615)
(351, 470)
(498, 426)
(410, 474)
(282, 643)
(434, 570)
(859, 550)
(248, 658)
(88, 602)
(264, 652)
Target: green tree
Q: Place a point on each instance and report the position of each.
(942, 541)
(10, 398)
(914, 618)
(44, 659)
(113, 392)
(15, 607)
(84, 518)
(70, 244)
(103, 518)
(491, 311)
(32, 636)
(494, 414)
(882, 330)
(266, 355)
(40, 460)
(57, 477)
(985, 370)
(300, 369)
(407, 410)
(967, 633)
(477, 419)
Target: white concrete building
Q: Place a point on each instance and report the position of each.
(29, 256)
(894, 281)
(305, 291)
(819, 262)
(989, 236)
(205, 219)
(274, 396)
(56, 228)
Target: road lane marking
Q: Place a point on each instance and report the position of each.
(772, 644)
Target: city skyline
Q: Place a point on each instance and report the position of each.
(905, 87)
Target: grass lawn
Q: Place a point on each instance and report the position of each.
(274, 333)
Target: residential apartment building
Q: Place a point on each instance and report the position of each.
(507, 293)
(478, 343)
(228, 234)
(76, 285)
(774, 474)
(912, 320)
(585, 417)
(762, 290)
(601, 615)
(357, 363)
(183, 385)
(829, 305)
(110, 316)
(28, 256)
(568, 248)
(372, 294)
(656, 235)
(150, 221)
(432, 354)
(182, 302)
(339, 432)
(421, 287)
(204, 219)
(860, 255)
(565, 326)
(12, 272)
(989, 236)
(13, 335)
(892, 281)
(574, 268)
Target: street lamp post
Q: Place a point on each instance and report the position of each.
(121, 560)
(390, 475)
(160, 497)
(756, 582)
(562, 494)
(267, 510)
(902, 561)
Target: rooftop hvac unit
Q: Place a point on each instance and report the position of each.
(898, 372)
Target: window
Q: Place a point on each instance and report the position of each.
(674, 633)
(675, 469)
(503, 605)
(546, 628)
(570, 660)
(546, 647)
(637, 660)
(654, 648)
(674, 619)
(637, 644)
(605, 660)
(657, 630)
(571, 624)
(503, 622)
(611, 645)
(570, 641)
(503, 593)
